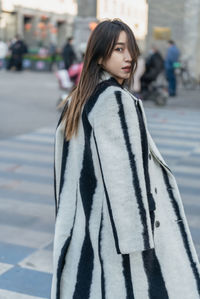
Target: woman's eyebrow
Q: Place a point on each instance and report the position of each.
(120, 44)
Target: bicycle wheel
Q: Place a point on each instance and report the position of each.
(188, 82)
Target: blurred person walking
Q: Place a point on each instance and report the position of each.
(172, 57)
(68, 53)
(121, 230)
(76, 69)
(3, 53)
(154, 65)
(52, 53)
(18, 49)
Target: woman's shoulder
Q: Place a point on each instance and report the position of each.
(106, 94)
(102, 90)
(109, 102)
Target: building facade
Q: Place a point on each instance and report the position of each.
(42, 22)
(133, 12)
(38, 22)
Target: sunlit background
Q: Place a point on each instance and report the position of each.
(153, 21)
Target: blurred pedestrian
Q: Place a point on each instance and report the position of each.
(121, 231)
(68, 53)
(154, 65)
(18, 49)
(76, 69)
(52, 53)
(3, 53)
(172, 57)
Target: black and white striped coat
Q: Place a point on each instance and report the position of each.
(121, 231)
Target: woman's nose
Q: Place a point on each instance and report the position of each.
(127, 56)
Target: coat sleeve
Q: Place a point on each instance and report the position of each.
(118, 143)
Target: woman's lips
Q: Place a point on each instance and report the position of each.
(127, 69)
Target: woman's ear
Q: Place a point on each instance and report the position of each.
(100, 60)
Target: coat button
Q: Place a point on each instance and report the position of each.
(150, 156)
(156, 190)
(157, 223)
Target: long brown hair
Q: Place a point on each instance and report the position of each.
(100, 45)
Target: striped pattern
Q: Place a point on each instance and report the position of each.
(135, 177)
(108, 202)
(61, 262)
(113, 252)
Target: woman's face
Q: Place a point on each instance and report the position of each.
(119, 63)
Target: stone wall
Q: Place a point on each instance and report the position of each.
(191, 39)
(86, 15)
(87, 8)
(82, 33)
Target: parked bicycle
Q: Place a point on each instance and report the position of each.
(184, 77)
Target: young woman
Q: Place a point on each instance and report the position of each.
(121, 231)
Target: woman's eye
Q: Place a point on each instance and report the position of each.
(119, 49)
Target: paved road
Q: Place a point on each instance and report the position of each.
(27, 102)
(26, 184)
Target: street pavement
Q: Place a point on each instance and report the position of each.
(27, 213)
(27, 102)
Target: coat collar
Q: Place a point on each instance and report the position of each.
(104, 76)
(107, 76)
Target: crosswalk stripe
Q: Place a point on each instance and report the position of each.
(13, 295)
(31, 148)
(175, 135)
(37, 138)
(26, 155)
(175, 128)
(17, 160)
(181, 142)
(26, 177)
(187, 169)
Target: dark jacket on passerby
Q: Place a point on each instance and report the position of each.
(68, 55)
(18, 49)
(172, 56)
(154, 65)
